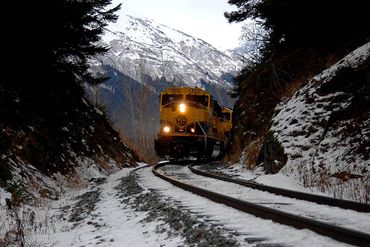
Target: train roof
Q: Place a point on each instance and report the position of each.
(185, 90)
(226, 109)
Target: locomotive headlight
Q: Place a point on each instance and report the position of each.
(166, 129)
(182, 107)
(192, 130)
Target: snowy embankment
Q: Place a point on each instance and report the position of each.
(81, 217)
(324, 132)
(42, 223)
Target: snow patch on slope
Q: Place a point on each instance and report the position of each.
(316, 151)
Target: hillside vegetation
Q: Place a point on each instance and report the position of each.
(49, 135)
(301, 40)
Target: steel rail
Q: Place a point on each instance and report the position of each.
(345, 204)
(338, 233)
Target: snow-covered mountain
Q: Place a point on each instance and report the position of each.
(146, 57)
(144, 46)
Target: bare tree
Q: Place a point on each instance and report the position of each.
(254, 37)
(143, 119)
(95, 92)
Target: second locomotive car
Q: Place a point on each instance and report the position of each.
(192, 123)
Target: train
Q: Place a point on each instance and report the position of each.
(192, 124)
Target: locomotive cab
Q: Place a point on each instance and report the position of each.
(226, 120)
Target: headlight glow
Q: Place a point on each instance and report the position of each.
(166, 129)
(182, 107)
(192, 130)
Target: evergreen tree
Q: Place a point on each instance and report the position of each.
(53, 59)
(314, 23)
(303, 38)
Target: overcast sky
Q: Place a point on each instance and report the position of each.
(200, 18)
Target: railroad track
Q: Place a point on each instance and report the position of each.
(336, 232)
(324, 200)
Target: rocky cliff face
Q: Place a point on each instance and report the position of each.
(321, 135)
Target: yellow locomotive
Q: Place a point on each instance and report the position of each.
(192, 123)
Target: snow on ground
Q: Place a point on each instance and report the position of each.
(100, 215)
(3, 196)
(275, 180)
(95, 215)
(109, 224)
(84, 217)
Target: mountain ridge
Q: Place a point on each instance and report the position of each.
(166, 52)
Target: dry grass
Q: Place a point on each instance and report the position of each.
(19, 223)
(248, 156)
(145, 154)
(291, 88)
(15, 234)
(75, 182)
(356, 189)
(19, 226)
(233, 156)
(252, 152)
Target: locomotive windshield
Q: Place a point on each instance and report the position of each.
(169, 98)
(198, 99)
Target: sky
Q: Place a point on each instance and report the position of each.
(199, 18)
